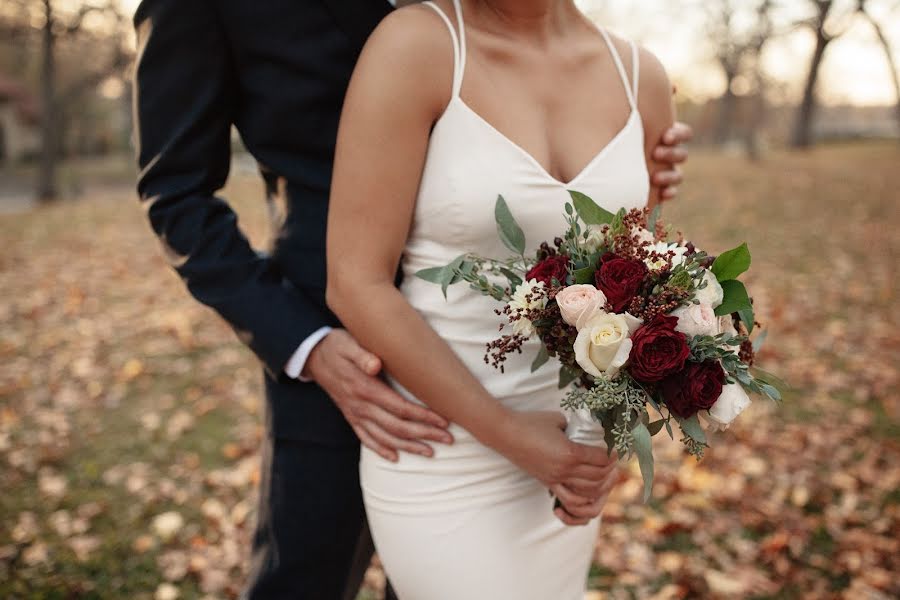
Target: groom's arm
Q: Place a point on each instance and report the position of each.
(185, 101)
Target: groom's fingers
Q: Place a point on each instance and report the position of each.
(393, 442)
(369, 442)
(377, 392)
(365, 361)
(408, 430)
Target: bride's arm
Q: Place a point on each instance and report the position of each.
(400, 87)
(657, 108)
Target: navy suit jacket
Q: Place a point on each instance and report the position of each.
(276, 70)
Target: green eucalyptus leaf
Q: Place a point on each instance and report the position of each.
(513, 279)
(735, 298)
(760, 340)
(589, 211)
(748, 318)
(770, 391)
(511, 234)
(770, 379)
(691, 428)
(655, 214)
(541, 359)
(433, 275)
(729, 265)
(567, 376)
(656, 426)
(669, 430)
(643, 447)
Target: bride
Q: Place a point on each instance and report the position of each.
(452, 103)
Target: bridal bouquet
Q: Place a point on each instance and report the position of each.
(638, 318)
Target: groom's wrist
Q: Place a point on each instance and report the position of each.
(296, 365)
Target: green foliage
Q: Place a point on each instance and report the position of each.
(643, 447)
(541, 359)
(619, 405)
(589, 211)
(444, 276)
(510, 233)
(735, 298)
(731, 264)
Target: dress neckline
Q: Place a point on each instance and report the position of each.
(612, 143)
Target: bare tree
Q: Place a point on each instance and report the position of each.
(739, 32)
(824, 25)
(863, 7)
(58, 26)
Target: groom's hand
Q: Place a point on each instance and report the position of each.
(672, 151)
(384, 421)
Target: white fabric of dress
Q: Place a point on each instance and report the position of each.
(467, 524)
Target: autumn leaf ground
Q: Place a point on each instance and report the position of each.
(129, 416)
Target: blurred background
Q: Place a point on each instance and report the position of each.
(130, 416)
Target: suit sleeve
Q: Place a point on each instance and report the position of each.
(185, 99)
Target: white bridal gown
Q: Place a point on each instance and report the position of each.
(467, 524)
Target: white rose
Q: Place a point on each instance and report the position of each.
(696, 319)
(730, 404)
(594, 240)
(528, 296)
(712, 294)
(603, 345)
(662, 248)
(578, 303)
(634, 322)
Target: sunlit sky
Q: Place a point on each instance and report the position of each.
(855, 69)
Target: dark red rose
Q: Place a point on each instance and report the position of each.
(694, 388)
(620, 279)
(553, 267)
(657, 350)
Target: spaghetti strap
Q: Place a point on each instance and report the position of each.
(635, 69)
(456, 47)
(459, 42)
(631, 93)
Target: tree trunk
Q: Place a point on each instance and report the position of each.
(892, 64)
(46, 184)
(727, 105)
(806, 112)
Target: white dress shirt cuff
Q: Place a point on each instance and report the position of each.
(294, 366)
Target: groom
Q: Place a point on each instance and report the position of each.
(277, 71)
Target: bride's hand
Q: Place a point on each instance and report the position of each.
(537, 442)
(575, 509)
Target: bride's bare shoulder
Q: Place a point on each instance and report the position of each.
(411, 43)
(654, 86)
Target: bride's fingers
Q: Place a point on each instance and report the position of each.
(568, 497)
(592, 473)
(585, 488)
(588, 510)
(394, 443)
(568, 519)
(369, 442)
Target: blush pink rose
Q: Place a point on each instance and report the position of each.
(578, 303)
(696, 319)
